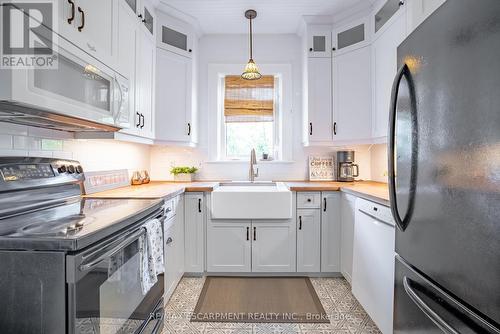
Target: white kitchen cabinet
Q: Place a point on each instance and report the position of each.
(145, 85)
(90, 25)
(384, 65)
(195, 213)
(273, 246)
(330, 232)
(318, 115)
(352, 95)
(229, 246)
(351, 36)
(419, 10)
(373, 262)
(347, 234)
(174, 245)
(308, 240)
(174, 98)
(319, 41)
(175, 35)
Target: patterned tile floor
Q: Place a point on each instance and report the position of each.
(346, 314)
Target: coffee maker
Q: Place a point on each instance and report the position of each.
(346, 169)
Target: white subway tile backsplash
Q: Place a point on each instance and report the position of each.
(5, 141)
(27, 143)
(40, 154)
(52, 145)
(62, 155)
(13, 153)
(13, 129)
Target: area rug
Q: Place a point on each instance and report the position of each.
(259, 300)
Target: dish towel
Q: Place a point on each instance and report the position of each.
(151, 254)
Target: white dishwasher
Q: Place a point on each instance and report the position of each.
(373, 262)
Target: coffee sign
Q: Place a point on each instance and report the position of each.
(321, 169)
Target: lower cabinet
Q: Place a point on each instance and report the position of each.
(330, 232)
(229, 246)
(250, 246)
(174, 247)
(348, 211)
(308, 234)
(273, 246)
(194, 210)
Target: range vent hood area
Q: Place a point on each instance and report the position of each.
(25, 115)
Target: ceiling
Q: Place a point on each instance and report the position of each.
(274, 16)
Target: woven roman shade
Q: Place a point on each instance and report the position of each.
(249, 100)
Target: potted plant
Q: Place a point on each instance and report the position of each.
(183, 174)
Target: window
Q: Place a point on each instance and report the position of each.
(249, 117)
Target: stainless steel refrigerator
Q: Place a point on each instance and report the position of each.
(444, 172)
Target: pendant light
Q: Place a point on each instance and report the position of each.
(251, 70)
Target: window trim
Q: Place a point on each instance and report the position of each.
(284, 118)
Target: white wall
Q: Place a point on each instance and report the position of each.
(233, 49)
(94, 155)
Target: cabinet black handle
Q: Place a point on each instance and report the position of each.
(401, 3)
(310, 129)
(324, 204)
(140, 16)
(72, 17)
(189, 129)
(142, 121)
(190, 50)
(143, 20)
(334, 49)
(80, 28)
(248, 233)
(199, 205)
(309, 200)
(335, 128)
(310, 49)
(138, 119)
(300, 222)
(254, 233)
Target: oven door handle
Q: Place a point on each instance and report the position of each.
(126, 241)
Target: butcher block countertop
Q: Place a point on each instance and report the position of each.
(374, 191)
(157, 189)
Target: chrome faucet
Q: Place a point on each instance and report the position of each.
(253, 171)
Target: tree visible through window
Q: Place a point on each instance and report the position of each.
(249, 116)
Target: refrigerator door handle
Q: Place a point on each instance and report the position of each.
(467, 320)
(402, 223)
(429, 312)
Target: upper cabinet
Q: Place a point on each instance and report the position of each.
(384, 62)
(319, 41)
(350, 37)
(419, 10)
(176, 107)
(90, 25)
(175, 36)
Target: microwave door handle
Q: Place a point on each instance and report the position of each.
(128, 240)
(116, 115)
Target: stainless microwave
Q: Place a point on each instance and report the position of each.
(79, 94)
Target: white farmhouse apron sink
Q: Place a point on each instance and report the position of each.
(247, 200)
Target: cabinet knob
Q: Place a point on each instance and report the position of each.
(310, 49)
(334, 49)
(190, 50)
(169, 241)
(140, 16)
(401, 3)
(309, 200)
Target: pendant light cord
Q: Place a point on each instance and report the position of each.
(251, 38)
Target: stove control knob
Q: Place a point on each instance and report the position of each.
(71, 169)
(79, 169)
(62, 169)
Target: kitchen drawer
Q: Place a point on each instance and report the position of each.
(309, 200)
(170, 208)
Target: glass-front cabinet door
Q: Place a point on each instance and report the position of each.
(350, 37)
(175, 36)
(319, 41)
(385, 13)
